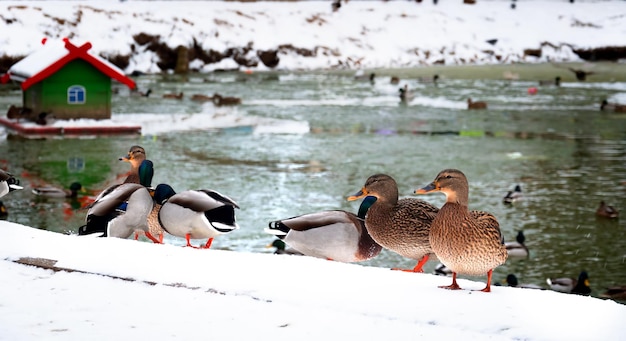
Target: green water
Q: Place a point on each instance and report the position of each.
(564, 152)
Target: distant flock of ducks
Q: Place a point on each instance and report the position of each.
(465, 242)
(217, 99)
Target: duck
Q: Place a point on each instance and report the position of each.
(4, 212)
(141, 169)
(395, 80)
(471, 105)
(333, 234)
(512, 281)
(442, 270)
(282, 249)
(514, 195)
(467, 242)
(119, 211)
(556, 81)
(581, 75)
(136, 92)
(399, 225)
(569, 285)
(606, 106)
(58, 192)
(8, 183)
(360, 76)
(517, 248)
(615, 292)
(220, 100)
(195, 214)
(607, 211)
(174, 96)
(429, 80)
(201, 98)
(405, 95)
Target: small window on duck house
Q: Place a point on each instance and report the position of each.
(76, 94)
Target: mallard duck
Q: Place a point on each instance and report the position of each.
(405, 95)
(467, 242)
(556, 81)
(607, 211)
(606, 106)
(195, 214)
(517, 248)
(401, 226)
(616, 293)
(581, 75)
(201, 98)
(569, 285)
(119, 211)
(429, 80)
(512, 281)
(57, 192)
(442, 270)
(174, 96)
(141, 169)
(220, 100)
(4, 213)
(471, 105)
(513, 196)
(335, 234)
(8, 183)
(282, 249)
(360, 76)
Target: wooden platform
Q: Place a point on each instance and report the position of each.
(30, 130)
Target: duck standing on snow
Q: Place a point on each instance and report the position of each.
(513, 196)
(569, 285)
(607, 211)
(400, 225)
(119, 211)
(57, 192)
(195, 214)
(467, 242)
(141, 169)
(517, 248)
(8, 183)
(334, 234)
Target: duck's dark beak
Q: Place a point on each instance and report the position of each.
(358, 195)
(125, 158)
(429, 188)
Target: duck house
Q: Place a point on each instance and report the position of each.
(66, 81)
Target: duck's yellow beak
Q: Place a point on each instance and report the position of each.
(360, 194)
(432, 187)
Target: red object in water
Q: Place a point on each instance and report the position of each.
(532, 90)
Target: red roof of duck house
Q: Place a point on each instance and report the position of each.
(42, 64)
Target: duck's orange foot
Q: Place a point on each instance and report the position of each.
(487, 289)
(452, 286)
(407, 270)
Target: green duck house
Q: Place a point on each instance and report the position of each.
(67, 81)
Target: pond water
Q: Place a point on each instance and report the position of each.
(566, 155)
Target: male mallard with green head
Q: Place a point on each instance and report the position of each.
(333, 234)
(467, 242)
(400, 225)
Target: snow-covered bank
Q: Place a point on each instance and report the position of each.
(123, 289)
(309, 35)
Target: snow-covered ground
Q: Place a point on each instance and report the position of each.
(124, 289)
(362, 34)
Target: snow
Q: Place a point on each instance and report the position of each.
(362, 34)
(124, 289)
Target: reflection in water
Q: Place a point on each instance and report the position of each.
(566, 154)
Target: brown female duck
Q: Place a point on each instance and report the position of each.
(468, 242)
(401, 225)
